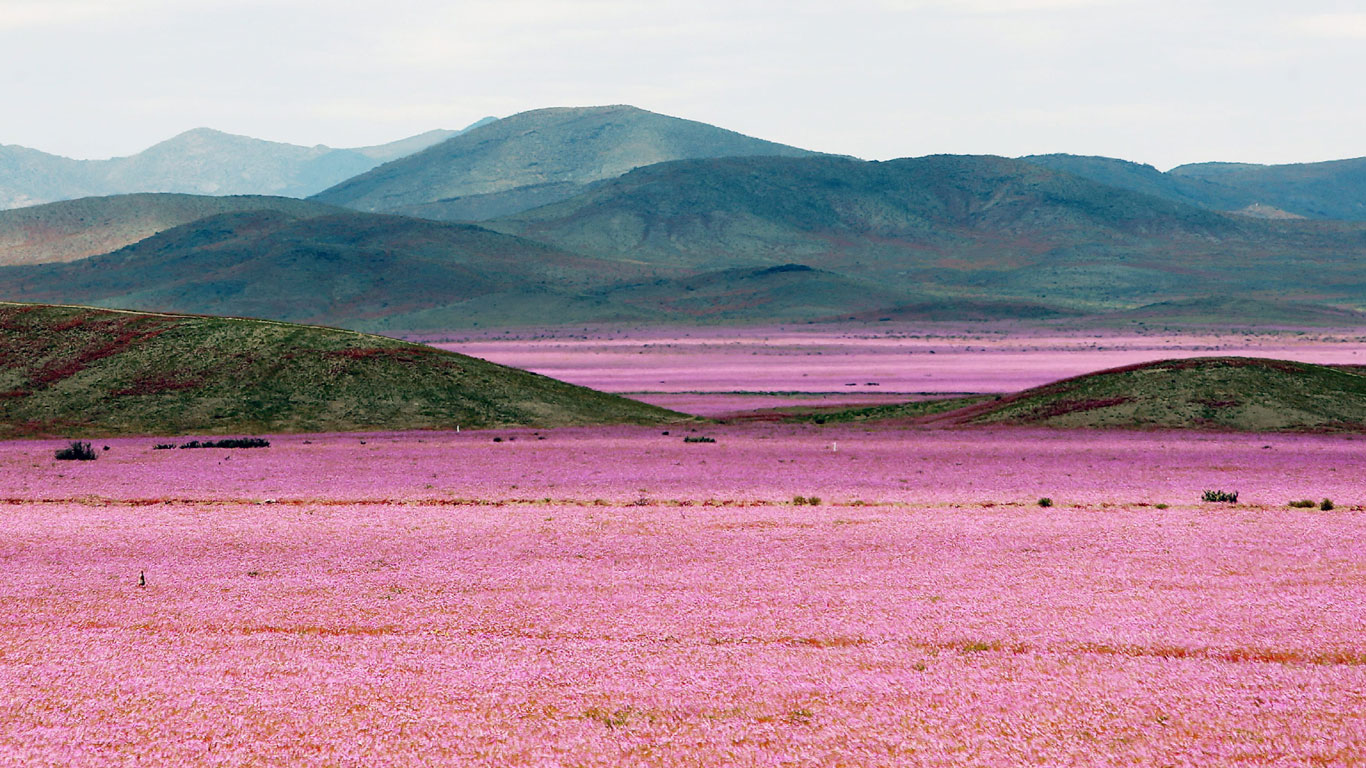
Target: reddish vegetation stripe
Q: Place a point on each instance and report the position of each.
(407, 354)
(1064, 407)
(110, 335)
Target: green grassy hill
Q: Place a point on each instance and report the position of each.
(1234, 393)
(82, 372)
(77, 229)
(1220, 393)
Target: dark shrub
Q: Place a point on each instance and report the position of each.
(1326, 504)
(77, 451)
(1303, 503)
(699, 439)
(1223, 496)
(1045, 502)
(229, 442)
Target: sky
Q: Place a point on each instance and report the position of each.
(1163, 82)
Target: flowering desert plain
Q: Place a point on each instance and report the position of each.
(791, 594)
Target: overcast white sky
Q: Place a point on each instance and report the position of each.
(1157, 81)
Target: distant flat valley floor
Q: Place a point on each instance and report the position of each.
(716, 372)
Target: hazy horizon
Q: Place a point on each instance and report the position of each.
(1162, 82)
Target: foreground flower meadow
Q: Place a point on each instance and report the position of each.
(618, 597)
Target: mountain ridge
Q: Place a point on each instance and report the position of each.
(698, 241)
(571, 146)
(1334, 189)
(196, 161)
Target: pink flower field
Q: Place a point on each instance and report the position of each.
(614, 596)
(864, 360)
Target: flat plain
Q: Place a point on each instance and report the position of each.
(790, 594)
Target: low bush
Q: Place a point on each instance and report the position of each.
(1326, 504)
(699, 439)
(1222, 496)
(1303, 503)
(229, 442)
(1045, 502)
(163, 446)
(77, 451)
(812, 501)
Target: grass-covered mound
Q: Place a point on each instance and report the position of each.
(83, 371)
(1234, 393)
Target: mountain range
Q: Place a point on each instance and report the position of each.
(615, 214)
(731, 240)
(201, 161)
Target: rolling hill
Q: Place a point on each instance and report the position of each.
(1234, 393)
(75, 229)
(1138, 177)
(1330, 190)
(83, 372)
(345, 269)
(1235, 311)
(1243, 394)
(534, 158)
(201, 161)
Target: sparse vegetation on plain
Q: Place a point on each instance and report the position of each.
(231, 442)
(77, 451)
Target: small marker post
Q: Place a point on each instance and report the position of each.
(142, 578)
